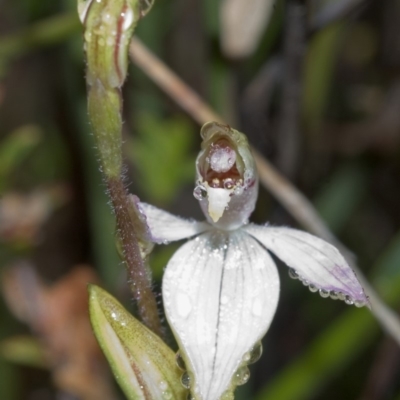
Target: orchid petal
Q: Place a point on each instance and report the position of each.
(317, 263)
(165, 227)
(220, 293)
(226, 177)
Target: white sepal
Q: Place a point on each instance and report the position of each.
(317, 263)
(165, 227)
(220, 293)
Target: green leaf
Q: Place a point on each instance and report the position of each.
(143, 365)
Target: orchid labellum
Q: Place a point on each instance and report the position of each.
(221, 288)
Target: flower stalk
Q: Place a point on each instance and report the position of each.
(108, 28)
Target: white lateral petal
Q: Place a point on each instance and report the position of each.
(165, 227)
(220, 293)
(318, 263)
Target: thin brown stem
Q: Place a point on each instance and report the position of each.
(138, 278)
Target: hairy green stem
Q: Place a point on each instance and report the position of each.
(139, 279)
(109, 26)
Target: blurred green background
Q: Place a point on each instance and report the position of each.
(318, 93)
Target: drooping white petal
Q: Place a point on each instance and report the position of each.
(220, 292)
(165, 227)
(317, 263)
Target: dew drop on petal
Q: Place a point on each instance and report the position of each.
(359, 303)
(305, 282)
(185, 380)
(199, 192)
(324, 293)
(242, 375)
(313, 288)
(341, 296)
(348, 300)
(333, 294)
(228, 183)
(239, 190)
(254, 354)
(167, 395)
(163, 385)
(88, 36)
(179, 361)
(293, 274)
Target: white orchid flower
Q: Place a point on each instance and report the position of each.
(221, 288)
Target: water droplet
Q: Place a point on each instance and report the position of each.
(242, 375)
(324, 293)
(340, 295)
(359, 303)
(255, 353)
(333, 294)
(215, 183)
(88, 36)
(106, 18)
(163, 385)
(348, 300)
(305, 282)
(238, 190)
(183, 304)
(293, 273)
(229, 183)
(167, 395)
(199, 192)
(185, 380)
(179, 361)
(313, 288)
